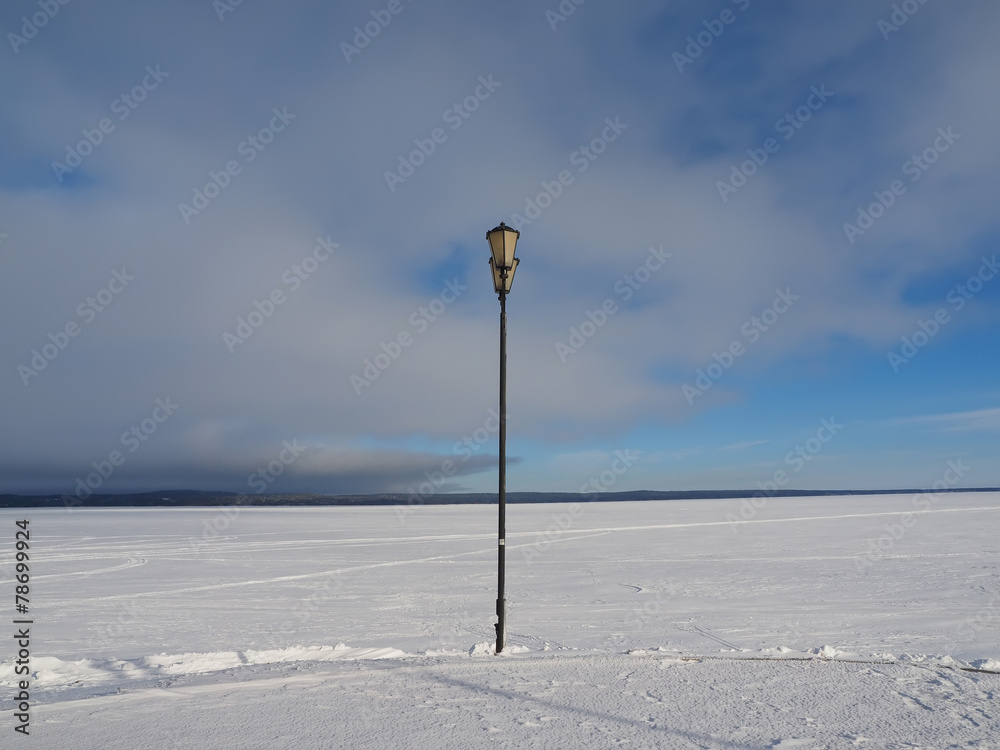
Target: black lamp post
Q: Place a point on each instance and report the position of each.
(502, 241)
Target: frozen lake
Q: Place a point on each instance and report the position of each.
(157, 625)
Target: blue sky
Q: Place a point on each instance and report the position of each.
(747, 229)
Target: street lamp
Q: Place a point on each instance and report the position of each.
(503, 264)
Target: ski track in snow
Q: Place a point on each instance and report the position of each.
(582, 534)
(651, 625)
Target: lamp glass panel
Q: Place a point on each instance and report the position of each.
(510, 242)
(496, 238)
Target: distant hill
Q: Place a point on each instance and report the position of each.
(196, 498)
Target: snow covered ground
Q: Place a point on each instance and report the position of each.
(809, 622)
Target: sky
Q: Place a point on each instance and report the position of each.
(243, 245)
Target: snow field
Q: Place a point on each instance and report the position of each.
(658, 624)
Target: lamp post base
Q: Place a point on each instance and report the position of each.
(501, 626)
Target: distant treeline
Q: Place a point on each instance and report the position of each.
(197, 499)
